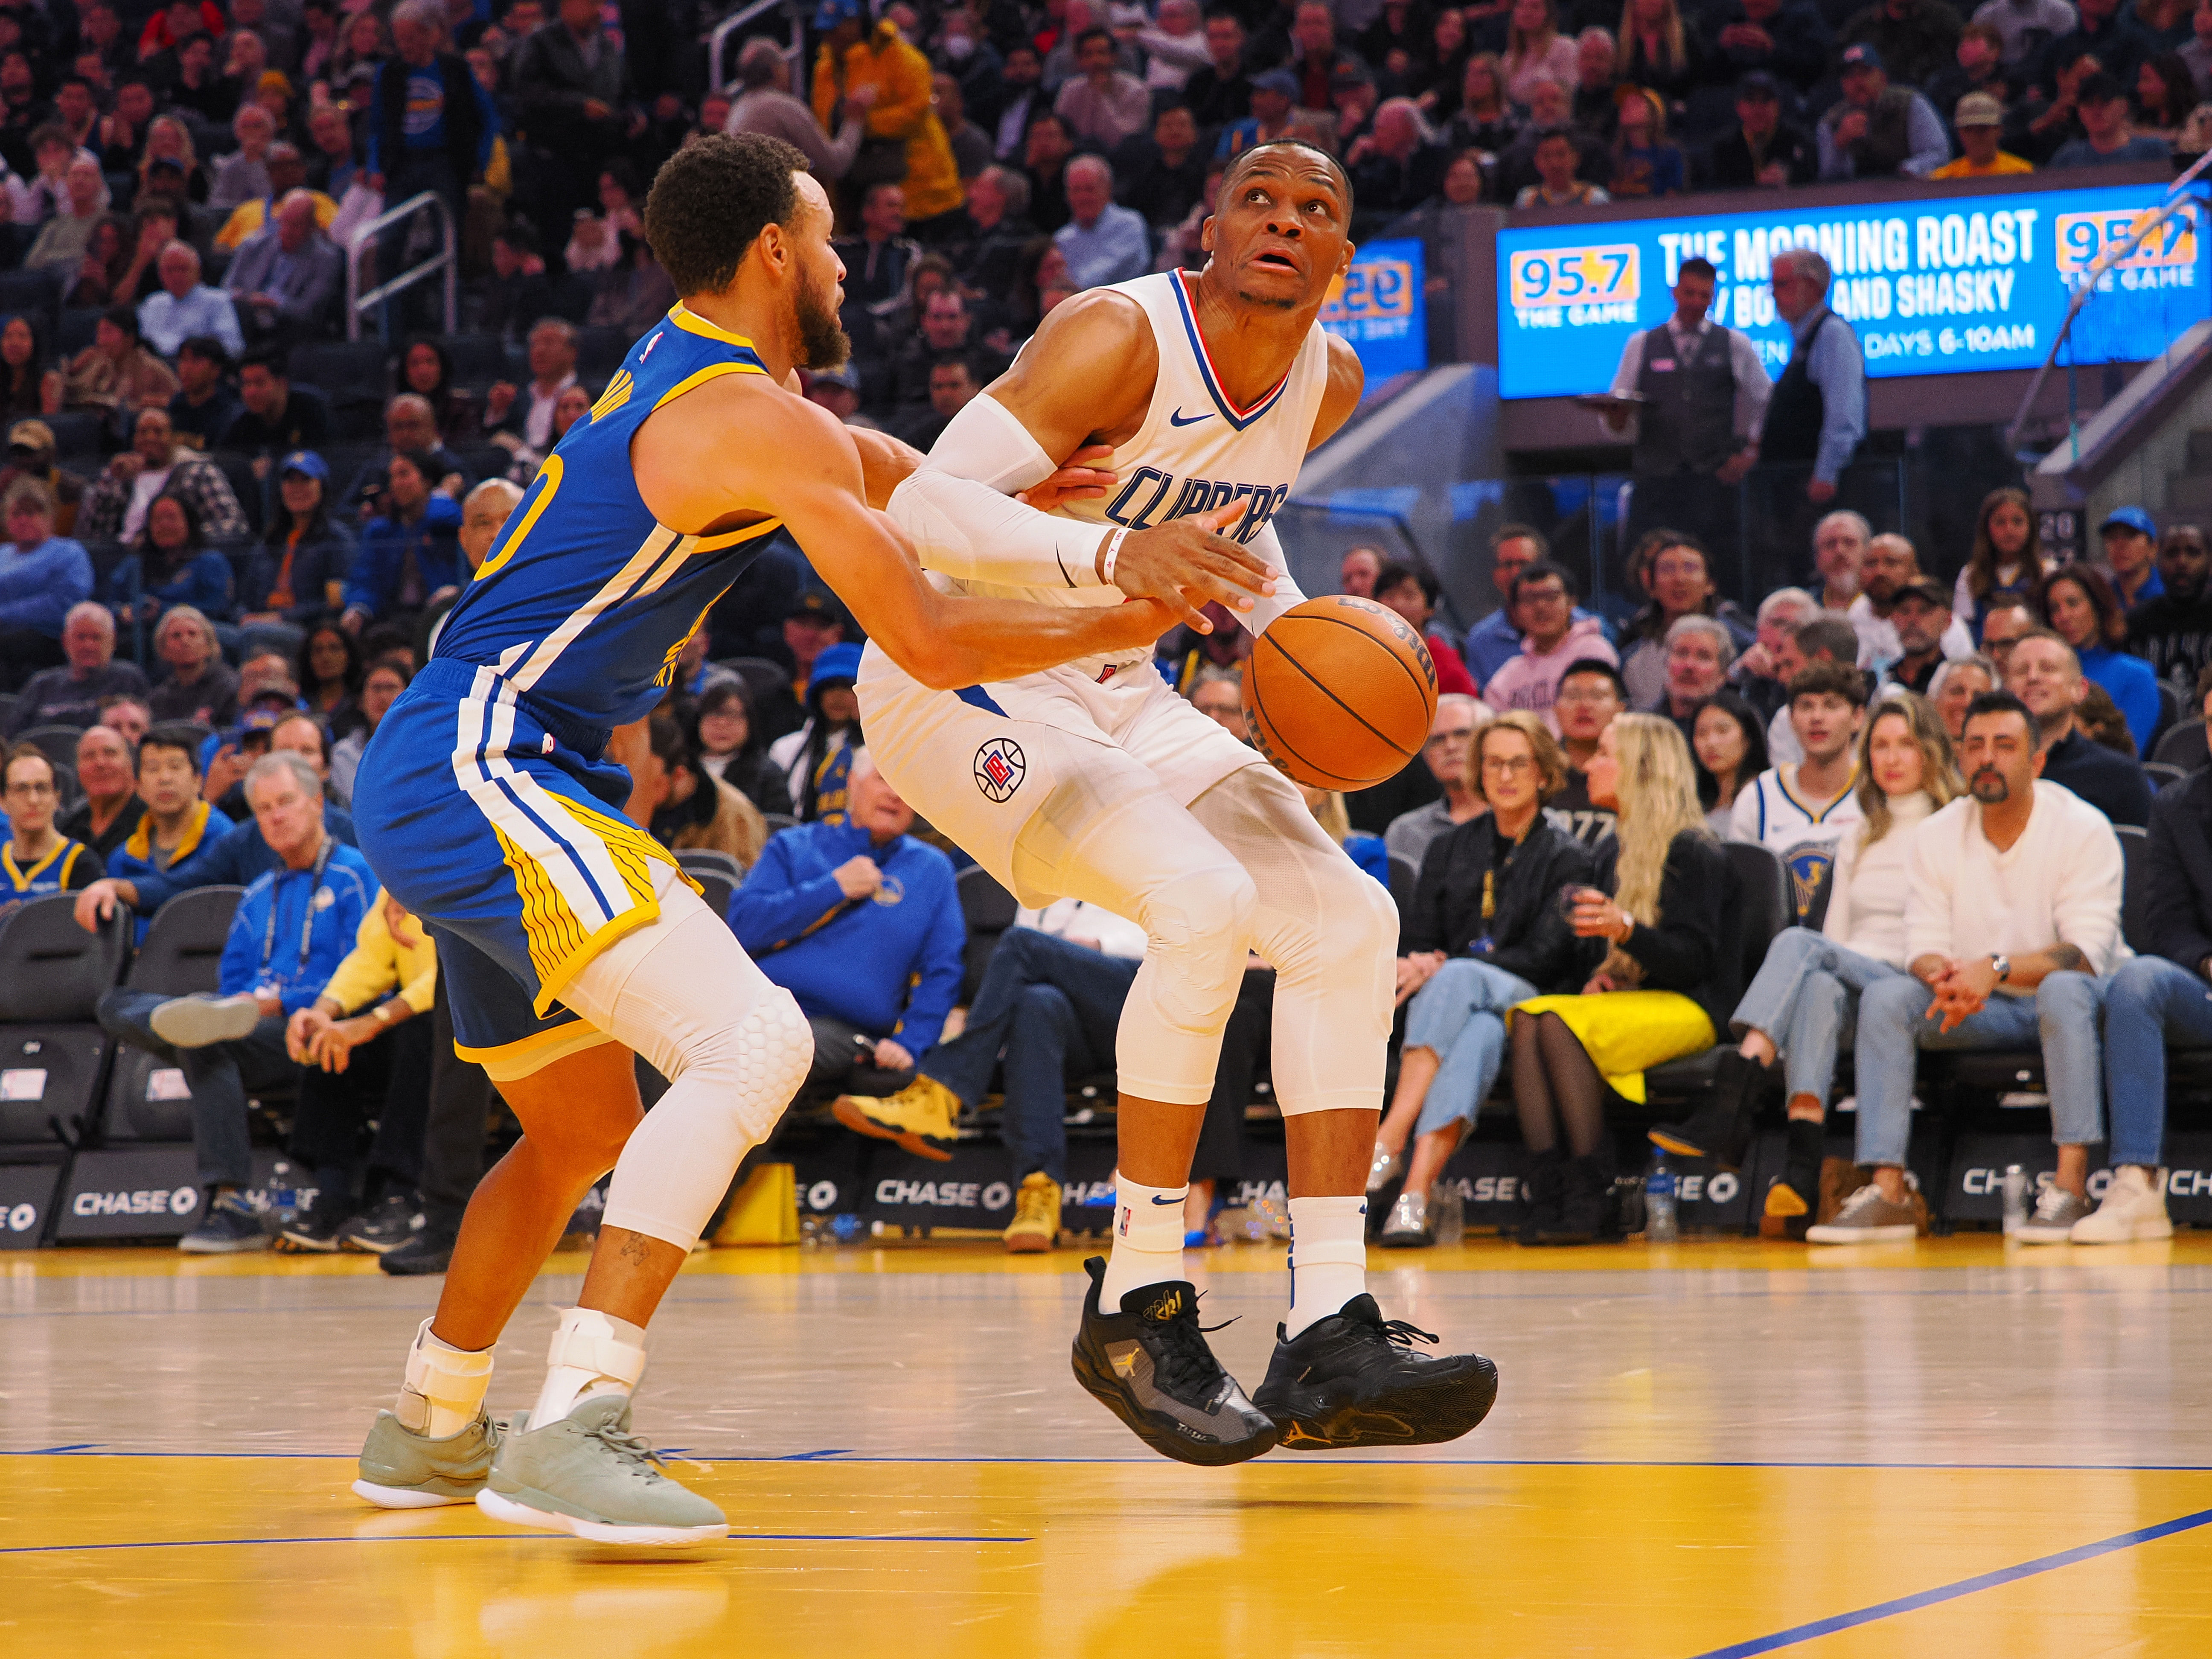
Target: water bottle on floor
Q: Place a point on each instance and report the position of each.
(283, 1195)
(1447, 1212)
(1659, 1227)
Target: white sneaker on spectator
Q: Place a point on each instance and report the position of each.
(1866, 1217)
(200, 1022)
(2051, 1221)
(2133, 1208)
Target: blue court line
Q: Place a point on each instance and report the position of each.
(514, 1537)
(1929, 1598)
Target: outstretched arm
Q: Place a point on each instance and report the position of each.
(802, 467)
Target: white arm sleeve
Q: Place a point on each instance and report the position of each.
(985, 442)
(959, 507)
(1287, 596)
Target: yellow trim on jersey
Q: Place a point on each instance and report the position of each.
(509, 1061)
(23, 878)
(1850, 786)
(616, 395)
(551, 473)
(692, 323)
(693, 382)
(722, 540)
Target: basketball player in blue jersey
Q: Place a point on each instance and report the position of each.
(569, 938)
(1094, 780)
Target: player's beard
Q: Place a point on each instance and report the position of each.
(822, 342)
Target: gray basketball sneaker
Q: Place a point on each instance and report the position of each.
(403, 1470)
(587, 1474)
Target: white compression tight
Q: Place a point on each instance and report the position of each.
(734, 1047)
(1244, 867)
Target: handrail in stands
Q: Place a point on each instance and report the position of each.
(447, 260)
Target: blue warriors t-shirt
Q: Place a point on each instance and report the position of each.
(424, 124)
(586, 600)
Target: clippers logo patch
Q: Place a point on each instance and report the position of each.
(1000, 768)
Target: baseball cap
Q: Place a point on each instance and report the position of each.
(31, 436)
(815, 606)
(1760, 85)
(844, 374)
(1348, 76)
(1927, 590)
(1861, 56)
(1281, 82)
(2131, 518)
(830, 12)
(839, 662)
(1978, 109)
(306, 461)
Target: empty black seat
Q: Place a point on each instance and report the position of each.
(53, 1055)
(1763, 908)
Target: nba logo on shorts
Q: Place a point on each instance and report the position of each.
(999, 767)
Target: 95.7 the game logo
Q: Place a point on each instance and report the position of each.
(2165, 258)
(1548, 278)
(1373, 299)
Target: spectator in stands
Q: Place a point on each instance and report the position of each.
(1657, 51)
(1542, 602)
(31, 455)
(1534, 48)
(1357, 570)
(1219, 693)
(1920, 615)
(408, 551)
(1879, 130)
(111, 809)
(1915, 38)
(1698, 650)
(1410, 835)
(1219, 90)
(184, 306)
(37, 860)
(1801, 809)
(1663, 900)
(518, 291)
(1022, 101)
(293, 928)
(1101, 243)
(171, 565)
(1757, 674)
(1979, 123)
(116, 508)
(574, 106)
(116, 375)
(298, 572)
(1596, 84)
(104, 270)
(1102, 103)
(1556, 160)
(2108, 136)
(42, 577)
(2077, 604)
(529, 420)
(64, 239)
(1487, 119)
(1958, 682)
(426, 371)
(23, 368)
(723, 739)
(946, 327)
(1643, 163)
(1591, 697)
(2023, 27)
(816, 759)
(266, 729)
(1681, 585)
(2044, 675)
(1776, 40)
(1818, 411)
(862, 924)
(410, 425)
(198, 688)
(765, 105)
(172, 836)
(1496, 640)
(1395, 167)
(1727, 740)
(998, 206)
(1163, 176)
(2173, 632)
(1413, 592)
(1273, 102)
(1483, 932)
(2012, 910)
(2099, 719)
(2008, 561)
(2130, 539)
(288, 275)
(373, 1063)
(686, 805)
(1977, 66)
(484, 512)
(954, 382)
(891, 77)
(70, 695)
(243, 176)
(2197, 52)
(276, 416)
(203, 408)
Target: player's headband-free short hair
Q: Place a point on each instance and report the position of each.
(1245, 158)
(710, 202)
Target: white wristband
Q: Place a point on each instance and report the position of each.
(1113, 554)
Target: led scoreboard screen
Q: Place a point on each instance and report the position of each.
(1379, 308)
(1955, 285)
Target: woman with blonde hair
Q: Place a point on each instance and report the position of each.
(168, 139)
(1481, 933)
(1803, 1004)
(1661, 907)
(1655, 50)
(1535, 49)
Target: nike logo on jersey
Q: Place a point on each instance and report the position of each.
(1178, 418)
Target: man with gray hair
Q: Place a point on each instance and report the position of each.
(765, 106)
(999, 207)
(1817, 414)
(1699, 651)
(1457, 719)
(184, 306)
(1101, 243)
(292, 927)
(1395, 166)
(1757, 674)
(70, 695)
(430, 128)
(286, 275)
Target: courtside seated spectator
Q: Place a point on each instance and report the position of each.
(172, 840)
(110, 808)
(114, 508)
(1410, 835)
(1412, 593)
(730, 746)
(294, 927)
(1700, 649)
(685, 805)
(244, 854)
(43, 577)
(1801, 809)
(1956, 684)
(1729, 744)
(1590, 694)
(1680, 581)
(408, 551)
(2045, 674)
(37, 860)
(1542, 601)
(1757, 675)
(199, 686)
(1496, 640)
(1824, 636)
(2012, 910)
(814, 760)
(184, 306)
(70, 695)
(861, 923)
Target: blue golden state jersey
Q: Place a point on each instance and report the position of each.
(586, 599)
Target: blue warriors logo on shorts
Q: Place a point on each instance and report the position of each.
(1000, 768)
(1808, 868)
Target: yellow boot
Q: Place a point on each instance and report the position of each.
(924, 1111)
(1035, 1226)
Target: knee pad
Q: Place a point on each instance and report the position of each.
(758, 1066)
(1197, 922)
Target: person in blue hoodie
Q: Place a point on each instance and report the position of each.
(410, 551)
(175, 841)
(295, 926)
(862, 924)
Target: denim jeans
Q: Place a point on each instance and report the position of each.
(1460, 1017)
(2061, 1016)
(2149, 1002)
(1806, 999)
(1050, 1005)
(218, 1075)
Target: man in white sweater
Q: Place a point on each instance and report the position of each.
(2012, 910)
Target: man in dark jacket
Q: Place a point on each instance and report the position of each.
(2173, 632)
(1916, 37)
(2044, 674)
(430, 126)
(1763, 150)
(571, 89)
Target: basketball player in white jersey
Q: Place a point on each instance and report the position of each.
(1094, 780)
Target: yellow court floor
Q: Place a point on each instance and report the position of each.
(1957, 1448)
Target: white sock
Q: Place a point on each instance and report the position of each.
(1328, 1258)
(445, 1386)
(593, 1354)
(1147, 1240)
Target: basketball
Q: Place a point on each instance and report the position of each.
(1339, 692)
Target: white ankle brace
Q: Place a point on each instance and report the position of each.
(445, 1387)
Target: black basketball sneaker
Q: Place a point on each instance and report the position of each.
(1352, 1379)
(1149, 1365)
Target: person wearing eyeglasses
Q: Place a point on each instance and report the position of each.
(37, 859)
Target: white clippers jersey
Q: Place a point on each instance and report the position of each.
(1196, 449)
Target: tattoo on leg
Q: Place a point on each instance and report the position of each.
(635, 1249)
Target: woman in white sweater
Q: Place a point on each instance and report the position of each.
(1803, 1004)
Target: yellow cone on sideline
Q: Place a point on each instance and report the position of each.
(765, 1210)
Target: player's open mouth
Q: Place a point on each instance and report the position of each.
(1275, 260)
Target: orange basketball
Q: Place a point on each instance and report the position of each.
(1339, 692)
